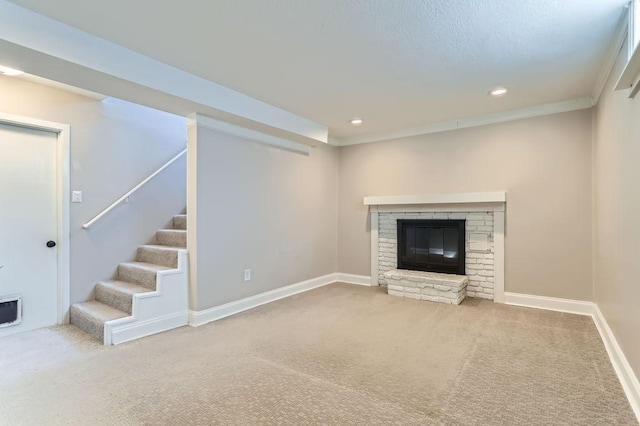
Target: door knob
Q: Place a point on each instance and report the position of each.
(51, 244)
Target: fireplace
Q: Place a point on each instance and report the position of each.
(431, 245)
(484, 216)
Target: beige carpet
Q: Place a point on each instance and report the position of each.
(338, 355)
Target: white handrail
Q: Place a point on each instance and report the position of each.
(134, 189)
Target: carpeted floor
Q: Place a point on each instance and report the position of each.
(337, 355)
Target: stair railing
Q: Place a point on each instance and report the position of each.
(133, 190)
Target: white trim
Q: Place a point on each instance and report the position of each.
(192, 213)
(463, 123)
(440, 208)
(461, 198)
(197, 318)
(333, 141)
(624, 371)
(570, 306)
(375, 239)
(498, 255)
(353, 279)
(244, 132)
(63, 154)
(43, 46)
(155, 311)
(136, 330)
(612, 54)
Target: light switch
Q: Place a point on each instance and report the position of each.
(76, 197)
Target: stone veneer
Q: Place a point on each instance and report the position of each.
(431, 286)
(478, 264)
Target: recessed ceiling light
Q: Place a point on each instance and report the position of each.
(9, 71)
(498, 91)
(356, 121)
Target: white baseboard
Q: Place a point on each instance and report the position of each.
(197, 318)
(353, 279)
(139, 329)
(578, 307)
(626, 375)
(620, 364)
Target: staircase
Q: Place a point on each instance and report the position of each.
(147, 297)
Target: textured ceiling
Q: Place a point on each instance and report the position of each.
(397, 64)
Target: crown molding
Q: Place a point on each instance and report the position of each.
(333, 141)
(612, 54)
(463, 123)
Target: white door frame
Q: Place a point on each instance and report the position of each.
(62, 201)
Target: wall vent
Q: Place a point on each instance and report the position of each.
(10, 310)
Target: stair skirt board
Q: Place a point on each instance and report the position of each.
(148, 295)
(121, 331)
(154, 311)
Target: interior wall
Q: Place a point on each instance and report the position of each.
(261, 208)
(544, 165)
(114, 146)
(616, 213)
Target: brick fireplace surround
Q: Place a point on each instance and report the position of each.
(485, 219)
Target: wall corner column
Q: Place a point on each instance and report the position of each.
(192, 210)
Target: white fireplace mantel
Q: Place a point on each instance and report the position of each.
(451, 202)
(461, 198)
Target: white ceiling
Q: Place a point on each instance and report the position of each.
(397, 64)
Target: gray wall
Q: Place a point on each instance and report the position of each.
(543, 163)
(114, 145)
(263, 208)
(616, 213)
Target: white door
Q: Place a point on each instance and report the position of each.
(27, 222)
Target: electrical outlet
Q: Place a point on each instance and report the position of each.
(247, 274)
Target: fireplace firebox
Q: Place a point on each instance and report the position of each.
(432, 245)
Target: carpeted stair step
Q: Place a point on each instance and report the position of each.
(118, 294)
(91, 316)
(172, 237)
(180, 221)
(159, 255)
(140, 273)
